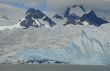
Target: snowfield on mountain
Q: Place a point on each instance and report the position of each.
(72, 37)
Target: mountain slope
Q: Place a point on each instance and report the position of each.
(36, 18)
(77, 14)
(92, 18)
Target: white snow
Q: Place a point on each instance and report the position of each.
(74, 44)
(77, 10)
(12, 26)
(86, 23)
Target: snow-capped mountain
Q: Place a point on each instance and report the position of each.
(36, 18)
(78, 10)
(77, 14)
(92, 18)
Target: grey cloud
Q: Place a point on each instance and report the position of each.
(94, 4)
(60, 5)
(27, 3)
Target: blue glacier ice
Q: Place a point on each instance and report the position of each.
(90, 51)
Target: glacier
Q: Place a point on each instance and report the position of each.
(49, 41)
(66, 45)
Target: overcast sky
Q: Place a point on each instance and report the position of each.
(57, 4)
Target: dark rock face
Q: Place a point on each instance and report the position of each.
(26, 23)
(92, 18)
(71, 19)
(66, 14)
(51, 23)
(82, 8)
(58, 16)
(32, 15)
(37, 14)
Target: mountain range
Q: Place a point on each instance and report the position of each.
(76, 14)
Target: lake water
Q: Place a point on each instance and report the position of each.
(47, 67)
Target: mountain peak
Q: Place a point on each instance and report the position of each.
(77, 14)
(75, 9)
(34, 13)
(36, 18)
(58, 16)
(30, 10)
(92, 18)
(81, 6)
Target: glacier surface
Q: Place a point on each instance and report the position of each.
(69, 45)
